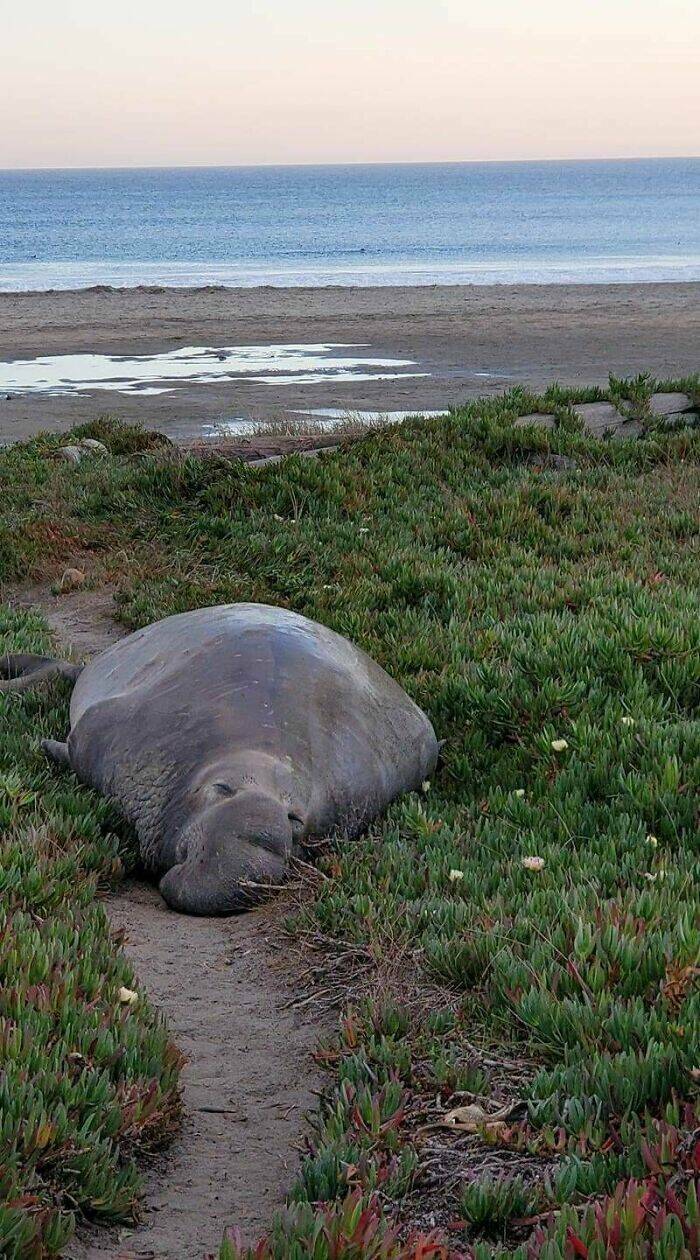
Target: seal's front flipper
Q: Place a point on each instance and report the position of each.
(24, 671)
(56, 752)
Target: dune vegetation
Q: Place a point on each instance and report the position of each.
(518, 945)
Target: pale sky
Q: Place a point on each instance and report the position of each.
(227, 82)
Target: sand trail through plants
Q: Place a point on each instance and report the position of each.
(247, 1084)
(224, 991)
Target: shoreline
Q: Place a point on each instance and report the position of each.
(334, 285)
(463, 340)
(327, 288)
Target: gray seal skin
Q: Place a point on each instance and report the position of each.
(230, 736)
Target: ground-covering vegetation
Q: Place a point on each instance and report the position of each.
(88, 1075)
(521, 939)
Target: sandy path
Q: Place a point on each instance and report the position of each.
(225, 994)
(467, 340)
(249, 1061)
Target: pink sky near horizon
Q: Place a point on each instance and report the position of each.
(161, 82)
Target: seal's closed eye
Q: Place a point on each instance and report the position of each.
(224, 789)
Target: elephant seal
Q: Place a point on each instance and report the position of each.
(230, 737)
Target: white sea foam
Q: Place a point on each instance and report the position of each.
(625, 269)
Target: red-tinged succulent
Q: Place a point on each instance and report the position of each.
(353, 1230)
(640, 1221)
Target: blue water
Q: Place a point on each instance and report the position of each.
(482, 223)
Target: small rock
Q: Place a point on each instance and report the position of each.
(536, 418)
(71, 454)
(602, 417)
(670, 404)
(78, 450)
(550, 460)
(561, 462)
(71, 578)
(91, 444)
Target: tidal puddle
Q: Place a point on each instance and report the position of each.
(317, 420)
(338, 415)
(203, 365)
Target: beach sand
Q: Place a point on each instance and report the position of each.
(468, 341)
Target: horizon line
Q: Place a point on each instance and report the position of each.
(251, 166)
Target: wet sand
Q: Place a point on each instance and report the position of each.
(467, 340)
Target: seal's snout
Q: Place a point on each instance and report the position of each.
(238, 847)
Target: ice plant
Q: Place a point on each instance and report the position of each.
(509, 604)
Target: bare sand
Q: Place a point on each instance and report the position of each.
(468, 340)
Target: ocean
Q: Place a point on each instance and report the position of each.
(476, 223)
